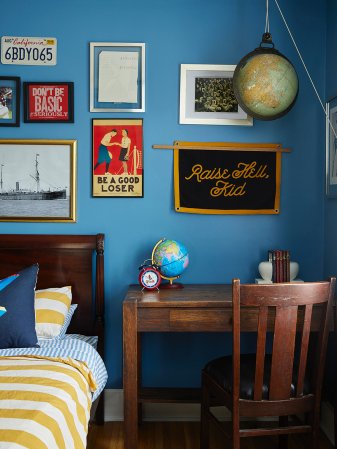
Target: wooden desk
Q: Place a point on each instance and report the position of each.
(195, 308)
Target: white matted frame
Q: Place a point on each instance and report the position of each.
(331, 148)
(207, 96)
(117, 77)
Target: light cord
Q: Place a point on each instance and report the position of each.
(266, 28)
(305, 67)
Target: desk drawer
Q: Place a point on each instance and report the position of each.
(197, 319)
(167, 319)
(194, 320)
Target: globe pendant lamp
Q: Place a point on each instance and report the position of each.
(265, 82)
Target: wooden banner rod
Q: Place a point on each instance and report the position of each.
(223, 147)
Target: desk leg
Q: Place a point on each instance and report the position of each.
(139, 372)
(335, 348)
(130, 374)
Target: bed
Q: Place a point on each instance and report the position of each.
(68, 368)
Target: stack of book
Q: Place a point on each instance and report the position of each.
(280, 260)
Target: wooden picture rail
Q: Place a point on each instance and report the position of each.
(224, 146)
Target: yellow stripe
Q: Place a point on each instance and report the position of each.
(57, 403)
(81, 368)
(46, 382)
(21, 437)
(49, 316)
(39, 417)
(54, 296)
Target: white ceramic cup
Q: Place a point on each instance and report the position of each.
(266, 270)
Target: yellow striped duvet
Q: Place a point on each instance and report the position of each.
(44, 402)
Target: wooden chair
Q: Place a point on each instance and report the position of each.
(276, 384)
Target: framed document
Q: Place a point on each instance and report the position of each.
(117, 77)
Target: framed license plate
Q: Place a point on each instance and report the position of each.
(28, 50)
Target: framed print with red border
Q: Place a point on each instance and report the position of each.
(117, 158)
(48, 102)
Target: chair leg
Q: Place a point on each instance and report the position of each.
(283, 439)
(315, 430)
(204, 419)
(235, 430)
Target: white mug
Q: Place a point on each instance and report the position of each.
(266, 270)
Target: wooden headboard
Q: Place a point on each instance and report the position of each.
(76, 260)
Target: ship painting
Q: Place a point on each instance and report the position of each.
(27, 194)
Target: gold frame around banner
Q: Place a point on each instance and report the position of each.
(224, 146)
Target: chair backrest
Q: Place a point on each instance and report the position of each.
(289, 307)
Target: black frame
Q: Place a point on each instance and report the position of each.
(15, 81)
(70, 86)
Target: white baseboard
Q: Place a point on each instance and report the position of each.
(151, 412)
(189, 412)
(113, 405)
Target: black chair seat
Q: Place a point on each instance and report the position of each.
(221, 371)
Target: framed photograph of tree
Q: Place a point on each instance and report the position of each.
(207, 96)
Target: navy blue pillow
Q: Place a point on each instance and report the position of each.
(17, 326)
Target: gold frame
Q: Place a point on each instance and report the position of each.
(48, 143)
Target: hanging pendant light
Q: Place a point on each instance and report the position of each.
(265, 82)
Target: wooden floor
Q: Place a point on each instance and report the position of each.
(183, 435)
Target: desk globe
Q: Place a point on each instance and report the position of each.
(171, 259)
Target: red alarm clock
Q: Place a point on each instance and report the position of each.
(149, 277)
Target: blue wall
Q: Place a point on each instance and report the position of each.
(221, 247)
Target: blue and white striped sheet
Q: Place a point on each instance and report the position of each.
(78, 347)
(92, 340)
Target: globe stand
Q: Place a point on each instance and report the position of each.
(170, 284)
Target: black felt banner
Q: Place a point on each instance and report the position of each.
(227, 182)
